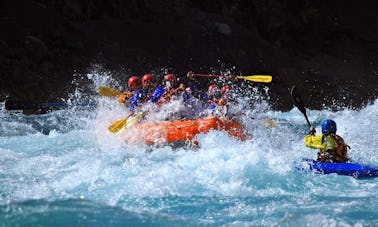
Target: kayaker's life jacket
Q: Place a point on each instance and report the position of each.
(341, 148)
(332, 147)
(339, 153)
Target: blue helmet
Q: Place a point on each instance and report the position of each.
(329, 126)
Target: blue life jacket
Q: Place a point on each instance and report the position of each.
(138, 97)
(212, 106)
(158, 93)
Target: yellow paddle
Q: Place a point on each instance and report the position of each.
(257, 78)
(253, 78)
(121, 124)
(107, 91)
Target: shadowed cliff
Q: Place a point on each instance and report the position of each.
(329, 49)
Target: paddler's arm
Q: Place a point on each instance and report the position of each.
(158, 93)
(134, 99)
(314, 141)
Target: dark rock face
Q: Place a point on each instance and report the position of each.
(328, 49)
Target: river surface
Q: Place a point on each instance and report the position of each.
(65, 169)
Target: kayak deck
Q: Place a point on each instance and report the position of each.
(355, 170)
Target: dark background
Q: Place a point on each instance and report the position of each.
(329, 49)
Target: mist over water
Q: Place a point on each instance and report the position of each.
(65, 168)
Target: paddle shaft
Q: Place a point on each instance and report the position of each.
(229, 76)
(22, 105)
(308, 122)
(253, 78)
(299, 104)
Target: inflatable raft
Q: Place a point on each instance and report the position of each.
(182, 130)
(356, 170)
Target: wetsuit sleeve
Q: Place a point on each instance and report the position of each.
(159, 91)
(314, 141)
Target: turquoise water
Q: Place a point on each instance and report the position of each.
(65, 169)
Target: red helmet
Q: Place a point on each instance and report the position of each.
(213, 92)
(133, 81)
(169, 77)
(225, 88)
(147, 77)
(212, 87)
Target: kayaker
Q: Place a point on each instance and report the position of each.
(133, 85)
(332, 146)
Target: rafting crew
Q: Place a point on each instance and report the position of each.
(332, 147)
(214, 103)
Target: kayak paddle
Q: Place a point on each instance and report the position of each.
(299, 104)
(253, 78)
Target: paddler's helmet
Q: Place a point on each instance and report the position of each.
(145, 78)
(225, 89)
(328, 126)
(133, 82)
(213, 92)
(170, 80)
(169, 77)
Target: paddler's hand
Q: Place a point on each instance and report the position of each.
(190, 75)
(312, 131)
(233, 78)
(181, 87)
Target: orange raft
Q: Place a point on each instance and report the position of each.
(184, 130)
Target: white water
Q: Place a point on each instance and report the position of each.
(69, 154)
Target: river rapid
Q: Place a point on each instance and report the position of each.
(65, 169)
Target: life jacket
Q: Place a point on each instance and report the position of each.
(341, 148)
(338, 154)
(139, 96)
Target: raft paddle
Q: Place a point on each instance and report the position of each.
(24, 105)
(299, 104)
(253, 78)
(121, 124)
(118, 126)
(107, 91)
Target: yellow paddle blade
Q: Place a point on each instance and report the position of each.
(107, 91)
(118, 126)
(133, 119)
(257, 78)
(124, 123)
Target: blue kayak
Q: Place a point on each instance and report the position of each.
(356, 170)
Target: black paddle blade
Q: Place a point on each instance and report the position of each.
(297, 100)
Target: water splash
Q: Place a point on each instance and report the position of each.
(67, 158)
